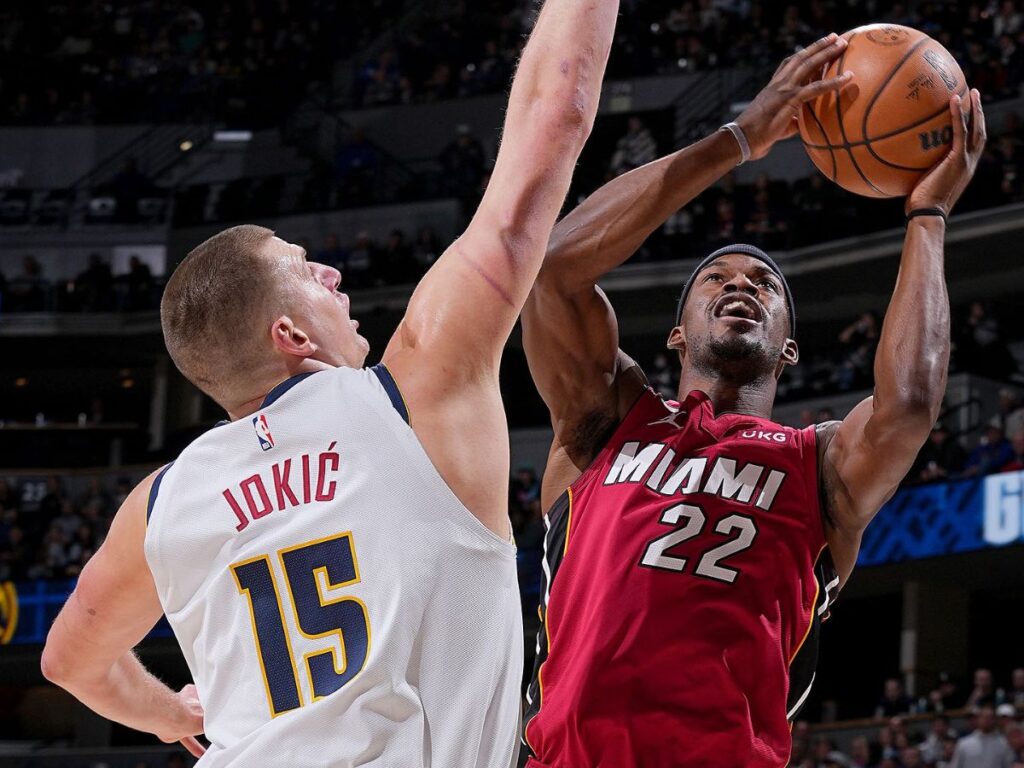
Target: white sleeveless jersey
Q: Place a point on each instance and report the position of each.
(336, 604)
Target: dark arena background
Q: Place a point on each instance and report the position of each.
(364, 131)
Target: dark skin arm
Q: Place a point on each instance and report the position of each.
(569, 328)
(864, 458)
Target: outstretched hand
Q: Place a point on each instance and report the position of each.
(942, 186)
(772, 114)
(186, 722)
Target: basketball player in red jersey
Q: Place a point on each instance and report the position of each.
(693, 547)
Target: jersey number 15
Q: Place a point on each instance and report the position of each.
(318, 615)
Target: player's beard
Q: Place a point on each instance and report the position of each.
(741, 358)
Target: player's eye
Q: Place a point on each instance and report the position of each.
(712, 276)
(769, 284)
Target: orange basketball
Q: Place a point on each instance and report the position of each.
(891, 123)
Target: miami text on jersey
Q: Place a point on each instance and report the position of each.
(722, 477)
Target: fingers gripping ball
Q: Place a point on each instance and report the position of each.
(881, 132)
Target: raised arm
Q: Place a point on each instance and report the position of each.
(114, 606)
(864, 457)
(446, 351)
(569, 328)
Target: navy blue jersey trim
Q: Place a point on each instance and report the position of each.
(155, 489)
(283, 387)
(391, 387)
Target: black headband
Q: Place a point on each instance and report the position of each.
(749, 250)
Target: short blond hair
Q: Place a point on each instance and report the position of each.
(216, 307)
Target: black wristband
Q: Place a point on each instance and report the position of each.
(926, 212)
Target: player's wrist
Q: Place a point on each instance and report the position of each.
(926, 216)
(739, 138)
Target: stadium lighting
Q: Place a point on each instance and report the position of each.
(232, 137)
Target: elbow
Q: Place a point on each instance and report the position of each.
(565, 117)
(55, 665)
(914, 409)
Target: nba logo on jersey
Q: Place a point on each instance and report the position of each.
(263, 432)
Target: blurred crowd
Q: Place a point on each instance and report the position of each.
(48, 533)
(993, 737)
(94, 289)
(169, 60)
(465, 49)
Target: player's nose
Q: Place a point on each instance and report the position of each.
(740, 282)
(328, 276)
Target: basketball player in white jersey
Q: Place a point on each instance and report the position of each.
(336, 561)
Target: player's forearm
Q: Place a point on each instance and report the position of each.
(913, 351)
(558, 81)
(125, 692)
(610, 225)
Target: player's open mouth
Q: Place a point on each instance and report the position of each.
(739, 306)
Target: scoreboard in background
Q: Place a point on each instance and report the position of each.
(946, 519)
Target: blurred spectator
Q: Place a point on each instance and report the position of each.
(396, 265)
(380, 80)
(68, 521)
(526, 487)
(931, 748)
(138, 286)
(1011, 165)
(948, 750)
(860, 752)
(333, 254)
(426, 250)
(637, 147)
(859, 341)
(940, 457)
(894, 700)
(1014, 733)
(1017, 444)
(356, 164)
(986, 747)
(980, 345)
(765, 222)
(943, 698)
(1005, 714)
(1016, 693)
(983, 694)
(94, 286)
(1011, 412)
(128, 187)
(360, 262)
(992, 453)
(462, 163)
(15, 556)
(835, 759)
(910, 757)
(27, 291)
(724, 228)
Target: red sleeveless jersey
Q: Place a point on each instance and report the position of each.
(686, 576)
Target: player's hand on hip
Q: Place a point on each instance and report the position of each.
(772, 115)
(942, 186)
(186, 722)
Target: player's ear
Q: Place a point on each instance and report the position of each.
(289, 339)
(790, 356)
(677, 340)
